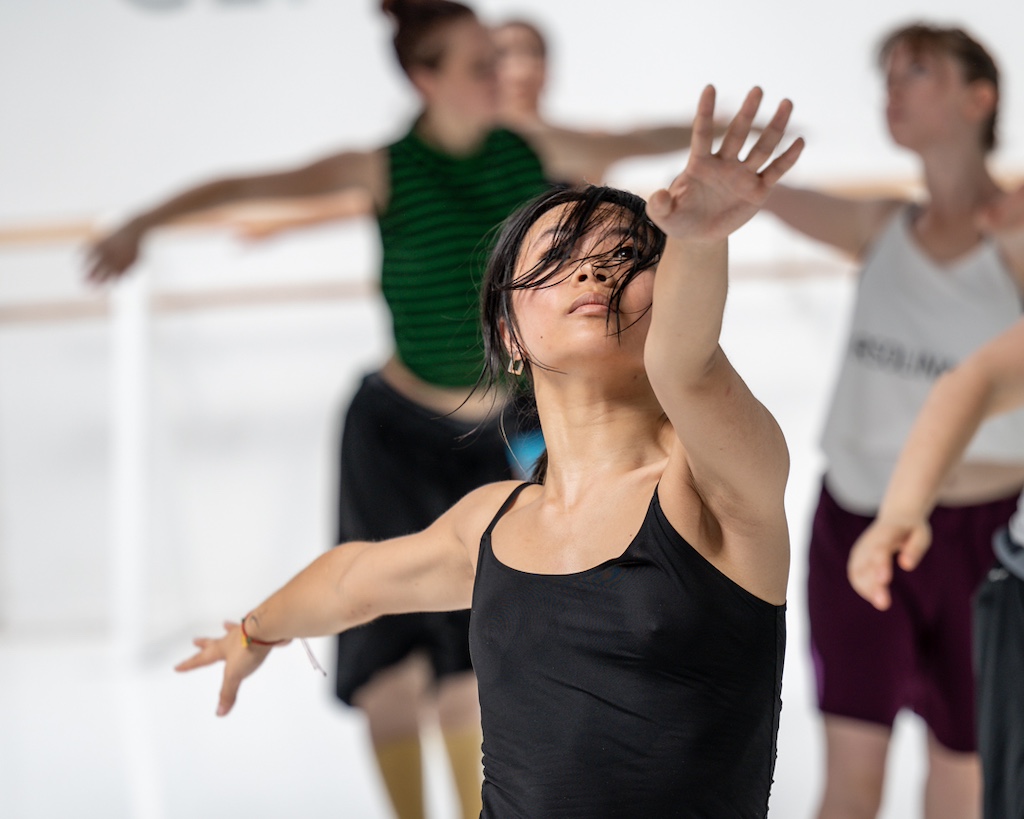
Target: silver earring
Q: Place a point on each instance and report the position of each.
(516, 365)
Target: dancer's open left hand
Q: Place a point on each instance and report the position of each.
(718, 191)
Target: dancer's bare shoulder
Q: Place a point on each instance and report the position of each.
(471, 516)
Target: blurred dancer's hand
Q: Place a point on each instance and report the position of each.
(870, 566)
(108, 258)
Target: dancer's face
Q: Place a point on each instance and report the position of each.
(465, 82)
(575, 318)
(929, 103)
(522, 68)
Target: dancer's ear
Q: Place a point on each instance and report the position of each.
(982, 101)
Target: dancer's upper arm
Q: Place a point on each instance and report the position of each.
(432, 570)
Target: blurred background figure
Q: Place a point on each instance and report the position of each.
(522, 79)
(987, 384)
(416, 438)
(522, 71)
(932, 289)
(522, 66)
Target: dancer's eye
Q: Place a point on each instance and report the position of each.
(556, 255)
(620, 255)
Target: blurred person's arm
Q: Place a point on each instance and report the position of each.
(849, 225)
(1004, 220)
(352, 203)
(990, 382)
(584, 156)
(114, 253)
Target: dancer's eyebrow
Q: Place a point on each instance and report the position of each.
(618, 231)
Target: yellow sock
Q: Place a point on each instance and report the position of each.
(466, 762)
(401, 766)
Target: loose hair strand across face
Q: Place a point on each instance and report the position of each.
(634, 245)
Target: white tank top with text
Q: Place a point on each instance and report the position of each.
(913, 319)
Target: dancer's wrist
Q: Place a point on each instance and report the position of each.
(249, 627)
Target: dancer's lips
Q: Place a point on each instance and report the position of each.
(591, 303)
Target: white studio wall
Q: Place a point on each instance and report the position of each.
(111, 103)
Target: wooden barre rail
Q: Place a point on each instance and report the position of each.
(253, 218)
(60, 310)
(261, 218)
(97, 307)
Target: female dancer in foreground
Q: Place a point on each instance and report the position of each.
(933, 289)
(988, 383)
(628, 612)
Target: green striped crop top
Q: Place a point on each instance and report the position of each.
(437, 230)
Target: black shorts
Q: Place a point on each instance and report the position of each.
(999, 662)
(401, 468)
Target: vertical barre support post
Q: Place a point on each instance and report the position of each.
(131, 467)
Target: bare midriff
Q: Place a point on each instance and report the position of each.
(974, 483)
(462, 403)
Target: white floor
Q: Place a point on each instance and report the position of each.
(245, 415)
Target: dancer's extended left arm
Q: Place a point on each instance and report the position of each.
(355, 583)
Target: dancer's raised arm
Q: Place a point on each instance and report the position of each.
(733, 448)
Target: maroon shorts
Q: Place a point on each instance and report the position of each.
(870, 664)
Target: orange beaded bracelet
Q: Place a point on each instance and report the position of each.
(248, 641)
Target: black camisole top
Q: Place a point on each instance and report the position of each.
(648, 686)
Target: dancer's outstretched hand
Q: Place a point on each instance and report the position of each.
(870, 566)
(109, 257)
(239, 661)
(718, 192)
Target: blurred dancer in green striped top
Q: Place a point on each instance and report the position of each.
(416, 437)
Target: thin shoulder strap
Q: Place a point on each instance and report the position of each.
(506, 506)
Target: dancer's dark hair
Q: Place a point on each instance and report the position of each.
(419, 29)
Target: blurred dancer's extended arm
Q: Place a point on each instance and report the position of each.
(991, 381)
(113, 254)
(584, 156)
(847, 224)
